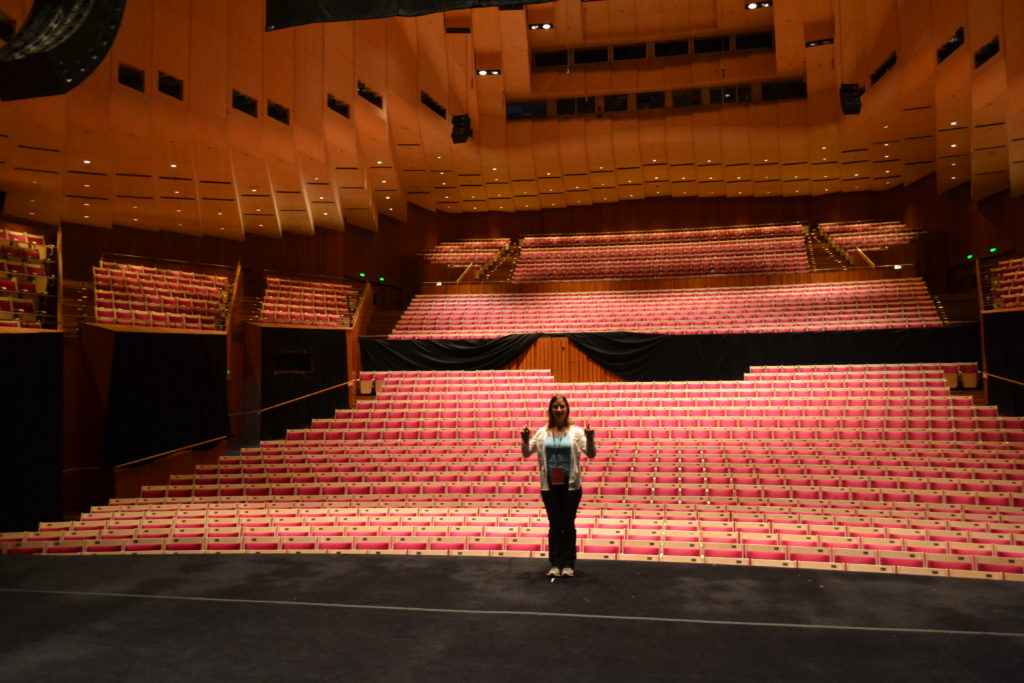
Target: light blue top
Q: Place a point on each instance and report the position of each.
(558, 450)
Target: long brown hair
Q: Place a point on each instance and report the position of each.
(551, 404)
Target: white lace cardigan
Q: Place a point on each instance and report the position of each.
(578, 441)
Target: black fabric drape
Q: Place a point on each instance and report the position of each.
(1004, 339)
(166, 391)
(648, 357)
(31, 405)
(328, 366)
(285, 13)
(443, 354)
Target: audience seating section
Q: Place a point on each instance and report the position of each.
(466, 253)
(144, 296)
(317, 304)
(863, 468)
(663, 254)
(867, 236)
(24, 280)
(1007, 283)
(873, 304)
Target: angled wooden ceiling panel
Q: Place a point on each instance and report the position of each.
(143, 146)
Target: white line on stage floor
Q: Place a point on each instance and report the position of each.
(517, 613)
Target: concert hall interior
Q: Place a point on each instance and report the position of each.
(281, 283)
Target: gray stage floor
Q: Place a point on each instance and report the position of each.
(408, 618)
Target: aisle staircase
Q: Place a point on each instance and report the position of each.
(821, 255)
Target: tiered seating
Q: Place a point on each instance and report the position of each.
(867, 236)
(144, 296)
(872, 304)
(832, 472)
(663, 254)
(466, 253)
(319, 304)
(1008, 284)
(23, 278)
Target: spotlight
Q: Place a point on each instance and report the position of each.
(481, 72)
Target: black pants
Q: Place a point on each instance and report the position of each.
(561, 504)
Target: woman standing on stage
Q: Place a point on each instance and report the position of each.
(558, 446)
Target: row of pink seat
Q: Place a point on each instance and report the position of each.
(658, 236)
(467, 252)
(146, 296)
(949, 508)
(24, 280)
(298, 302)
(1008, 284)
(733, 309)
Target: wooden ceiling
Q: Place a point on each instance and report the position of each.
(109, 154)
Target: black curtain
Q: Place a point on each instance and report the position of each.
(297, 362)
(285, 13)
(707, 357)
(166, 391)
(1004, 339)
(443, 354)
(31, 366)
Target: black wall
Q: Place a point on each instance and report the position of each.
(285, 355)
(31, 366)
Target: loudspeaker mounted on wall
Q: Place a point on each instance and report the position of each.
(461, 129)
(849, 97)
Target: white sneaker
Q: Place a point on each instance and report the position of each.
(554, 571)
(568, 572)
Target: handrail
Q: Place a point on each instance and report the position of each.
(986, 375)
(292, 400)
(173, 450)
(865, 257)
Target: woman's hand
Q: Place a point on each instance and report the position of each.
(525, 435)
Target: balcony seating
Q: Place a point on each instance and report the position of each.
(144, 296)
(307, 303)
(874, 304)
(24, 279)
(466, 252)
(867, 236)
(1007, 283)
(662, 254)
(431, 466)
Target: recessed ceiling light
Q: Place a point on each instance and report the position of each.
(953, 145)
(86, 161)
(952, 123)
(174, 166)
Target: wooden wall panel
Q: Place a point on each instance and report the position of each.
(566, 362)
